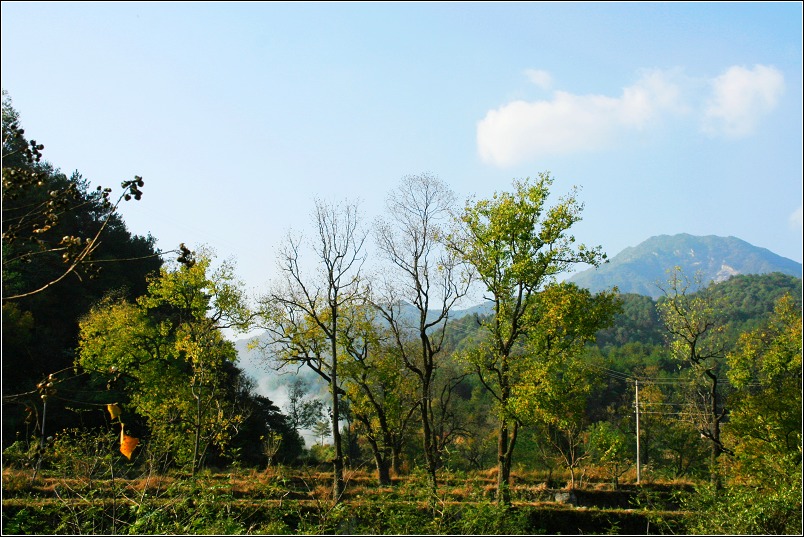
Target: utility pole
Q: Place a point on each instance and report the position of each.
(638, 469)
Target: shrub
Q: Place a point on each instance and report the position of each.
(739, 509)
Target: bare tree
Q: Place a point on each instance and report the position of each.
(303, 314)
(426, 277)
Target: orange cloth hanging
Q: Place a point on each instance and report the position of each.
(127, 443)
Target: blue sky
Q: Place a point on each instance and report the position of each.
(670, 117)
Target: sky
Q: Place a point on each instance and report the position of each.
(669, 117)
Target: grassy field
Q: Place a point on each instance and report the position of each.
(298, 501)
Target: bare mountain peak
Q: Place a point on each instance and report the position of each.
(641, 269)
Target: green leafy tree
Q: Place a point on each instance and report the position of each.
(695, 326)
(516, 245)
(610, 447)
(302, 409)
(554, 393)
(171, 354)
(265, 435)
(765, 368)
(763, 495)
(382, 394)
(322, 430)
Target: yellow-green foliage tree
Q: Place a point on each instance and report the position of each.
(517, 245)
(554, 380)
(169, 352)
(381, 391)
(765, 368)
(763, 495)
(695, 326)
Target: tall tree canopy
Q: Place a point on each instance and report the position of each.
(517, 245)
(421, 284)
(168, 349)
(765, 368)
(305, 313)
(695, 324)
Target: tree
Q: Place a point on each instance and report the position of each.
(668, 444)
(168, 350)
(303, 314)
(694, 324)
(763, 495)
(381, 391)
(322, 430)
(64, 247)
(424, 283)
(552, 383)
(41, 243)
(609, 447)
(265, 434)
(303, 412)
(516, 245)
(765, 369)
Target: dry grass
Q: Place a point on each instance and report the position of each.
(151, 483)
(491, 473)
(281, 482)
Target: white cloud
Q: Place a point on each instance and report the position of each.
(568, 123)
(522, 130)
(539, 78)
(740, 97)
(796, 219)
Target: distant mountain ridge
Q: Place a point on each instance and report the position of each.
(640, 268)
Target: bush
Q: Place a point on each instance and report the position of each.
(84, 453)
(739, 509)
(20, 454)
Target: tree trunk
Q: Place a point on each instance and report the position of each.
(383, 469)
(396, 460)
(505, 441)
(197, 431)
(429, 448)
(714, 473)
(505, 450)
(381, 461)
(338, 484)
(503, 465)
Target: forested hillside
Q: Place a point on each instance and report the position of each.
(642, 269)
(62, 249)
(116, 369)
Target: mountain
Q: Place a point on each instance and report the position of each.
(640, 269)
